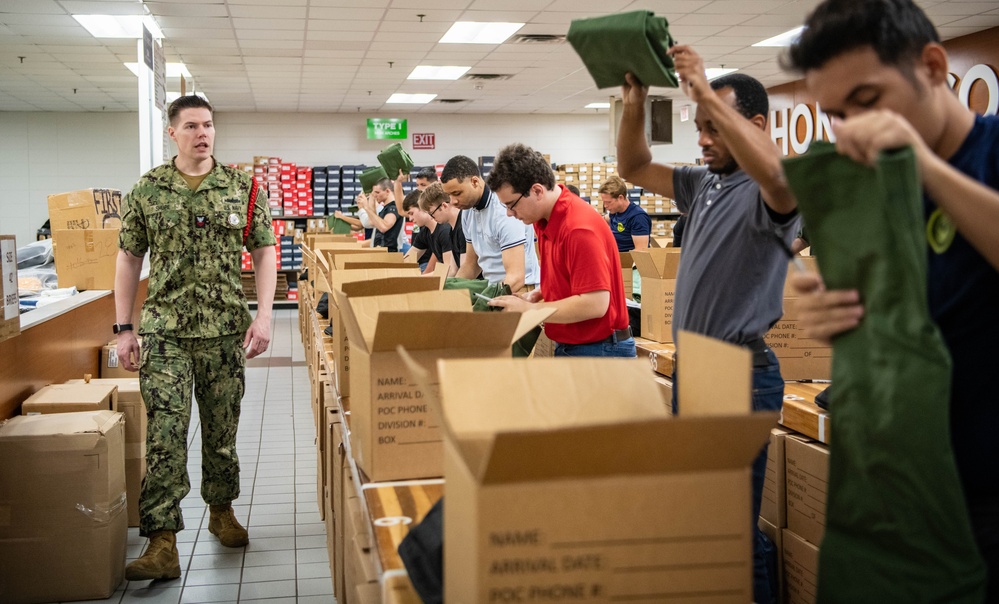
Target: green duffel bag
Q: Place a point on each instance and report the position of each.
(613, 45)
(393, 159)
(370, 177)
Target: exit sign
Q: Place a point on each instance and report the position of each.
(424, 140)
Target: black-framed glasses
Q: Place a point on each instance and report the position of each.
(434, 211)
(510, 207)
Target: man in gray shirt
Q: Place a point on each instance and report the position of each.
(731, 276)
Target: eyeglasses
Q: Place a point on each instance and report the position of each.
(434, 211)
(509, 208)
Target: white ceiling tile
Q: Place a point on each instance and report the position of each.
(336, 25)
(573, 6)
(500, 16)
(431, 18)
(95, 7)
(347, 14)
(37, 7)
(340, 36)
(280, 11)
(269, 35)
(269, 24)
(186, 9)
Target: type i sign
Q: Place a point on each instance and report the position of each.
(387, 128)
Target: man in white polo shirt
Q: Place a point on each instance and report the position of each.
(499, 246)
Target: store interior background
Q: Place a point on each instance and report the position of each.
(291, 78)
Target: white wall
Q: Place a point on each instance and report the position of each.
(43, 153)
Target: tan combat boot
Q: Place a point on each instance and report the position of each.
(160, 560)
(223, 524)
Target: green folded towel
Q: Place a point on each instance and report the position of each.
(611, 46)
(523, 347)
(338, 226)
(394, 158)
(370, 177)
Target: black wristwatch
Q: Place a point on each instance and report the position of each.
(120, 327)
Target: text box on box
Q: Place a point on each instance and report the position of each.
(424, 140)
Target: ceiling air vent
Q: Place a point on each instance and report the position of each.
(486, 76)
(451, 101)
(539, 39)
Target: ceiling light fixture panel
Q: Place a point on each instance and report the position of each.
(475, 32)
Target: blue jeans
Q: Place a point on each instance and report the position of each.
(624, 348)
(768, 395)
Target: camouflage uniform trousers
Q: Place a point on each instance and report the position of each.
(169, 369)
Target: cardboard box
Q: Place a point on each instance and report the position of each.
(661, 356)
(62, 491)
(85, 209)
(628, 274)
(807, 471)
(130, 404)
(544, 348)
(657, 267)
(800, 358)
(341, 477)
(110, 367)
(799, 412)
(85, 258)
(395, 434)
(10, 314)
(550, 466)
(801, 569)
(70, 398)
(773, 506)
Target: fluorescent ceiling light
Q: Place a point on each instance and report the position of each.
(437, 72)
(717, 72)
(174, 70)
(597, 106)
(415, 99)
(119, 26)
(785, 39)
(473, 32)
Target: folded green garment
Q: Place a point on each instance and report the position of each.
(521, 348)
(897, 526)
(612, 45)
(394, 158)
(338, 226)
(370, 177)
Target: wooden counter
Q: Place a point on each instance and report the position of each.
(58, 342)
(801, 414)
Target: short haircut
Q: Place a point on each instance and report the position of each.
(460, 167)
(428, 174)
(897, 30)
(385, 183)
(412, 200)
(191, 101)
(614, 186)
(750, 96)
(520, 167)
(432, 197)
(574, 189)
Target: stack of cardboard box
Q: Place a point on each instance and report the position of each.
(85, 227)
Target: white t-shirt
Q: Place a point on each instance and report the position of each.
(490, 231)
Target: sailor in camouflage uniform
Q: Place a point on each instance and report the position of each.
(191, 215)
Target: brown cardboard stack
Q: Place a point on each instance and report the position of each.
(627, 275)
(549, 467)
(801, 568)
(658, 268)
(85, 227)
(110, 366)
(800, 358)
(10, 315)
(807, 475)
(69, 398)
(394, 432)
(131, 405)
(62, 492)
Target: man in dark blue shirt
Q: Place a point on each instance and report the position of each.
(629, 223)
(878, 66)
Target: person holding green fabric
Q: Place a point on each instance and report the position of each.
(730, 281)
(878, 67)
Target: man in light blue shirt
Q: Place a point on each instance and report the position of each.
(499, 246)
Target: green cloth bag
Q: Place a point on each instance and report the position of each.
(523, 346)
(613, 45)
(897, 527)
(370, 177)
(338, 226)
(394, 158)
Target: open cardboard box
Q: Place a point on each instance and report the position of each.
(71, 398)
(395, 434)
(657, 267)
(562, 483)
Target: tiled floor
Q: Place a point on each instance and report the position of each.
(286, 560)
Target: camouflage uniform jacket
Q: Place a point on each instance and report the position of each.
(195, 243)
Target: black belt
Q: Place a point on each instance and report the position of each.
(759, 349)
(618, 336)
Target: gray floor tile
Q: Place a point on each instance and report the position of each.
(268, 544)
(210, 593)
(283, 498)
(314, 570)
(271, 531)
(315, 587)
(316, 554)
(310, 541)
(271, 519)
(268, 589)
(153, 595)
(217, 561)
(323, 599)
(212, 546)
(269, 558)
(212, 576)
(316, 528)
(270, 508)
(256, 574)
(112, 599)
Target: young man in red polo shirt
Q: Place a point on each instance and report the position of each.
(580, 267)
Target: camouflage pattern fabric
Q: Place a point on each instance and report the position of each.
(169, 369)
(195, 243)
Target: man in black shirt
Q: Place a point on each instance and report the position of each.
(431, 241)
(437, 204)
(387, 222)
